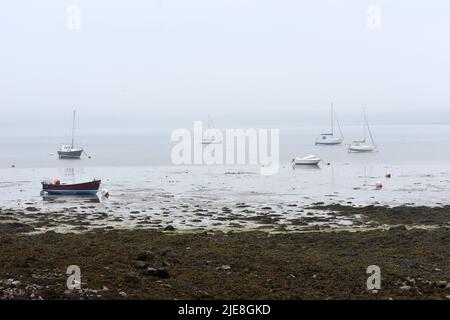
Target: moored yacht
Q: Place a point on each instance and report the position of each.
(329, 138)
(362, 145)
(70, 151)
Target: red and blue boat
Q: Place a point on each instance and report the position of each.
(55, 187)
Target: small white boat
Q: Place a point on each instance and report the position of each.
(210, 139)
(329, 138)
(361, 145)
(310, 160)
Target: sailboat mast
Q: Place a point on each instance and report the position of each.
(339, 126)
(73, 130)
(365, 121)
(370, 132)
(332, 122)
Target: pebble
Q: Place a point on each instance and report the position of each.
(224, 267)
(160, 272)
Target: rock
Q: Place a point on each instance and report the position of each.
(123, 294)
(16, 283)
(441, 284)
(169, 228)
(105, 288)
(224, 267)
(160, 272)
(411, 280)
(140, 265)
(146, 256)
(405, 288)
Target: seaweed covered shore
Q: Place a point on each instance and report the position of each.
(412, 251)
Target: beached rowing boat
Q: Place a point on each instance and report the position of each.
(85, 188)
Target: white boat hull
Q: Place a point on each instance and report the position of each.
(329, 142)
(307, 161)
(361, 148)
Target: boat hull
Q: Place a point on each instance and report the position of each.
(361, 148)
(329, 142)
(87, 188)
(307, 162)
(75, 154)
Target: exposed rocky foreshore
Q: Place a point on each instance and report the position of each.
(410, 245)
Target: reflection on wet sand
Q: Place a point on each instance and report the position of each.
(72, 199)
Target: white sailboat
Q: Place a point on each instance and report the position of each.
(70, 151)
(329, 138)
(209, 138)
(362, 145)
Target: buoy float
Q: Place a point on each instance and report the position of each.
(56, 181)
(388, 175)
(378, 185)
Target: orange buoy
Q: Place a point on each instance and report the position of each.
(378, 185)
(56, 181)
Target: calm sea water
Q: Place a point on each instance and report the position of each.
(400, 145)
(135, 167)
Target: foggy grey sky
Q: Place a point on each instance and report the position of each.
(157, 62)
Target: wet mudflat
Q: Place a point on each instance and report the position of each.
(411, 245)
